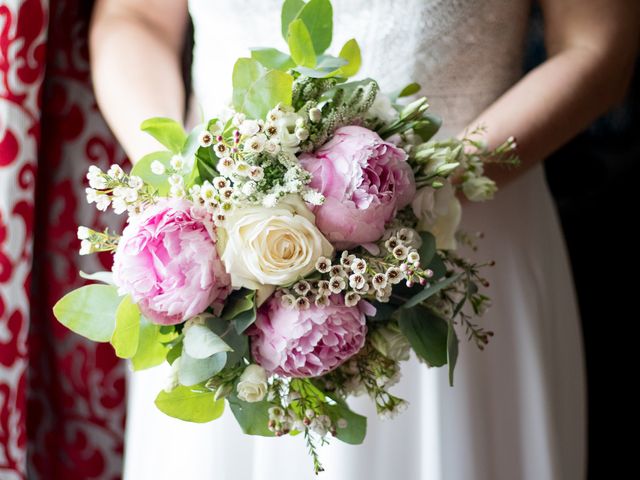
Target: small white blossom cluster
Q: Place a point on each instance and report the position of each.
(371, 373)
(283, 419)
(259, 160)
(92, 241)
(216, 197)
(401, 245)
(124, 193)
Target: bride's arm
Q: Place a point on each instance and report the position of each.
(135, 49)
(591, 45)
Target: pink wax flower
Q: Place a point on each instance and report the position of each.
(167, 261)
(364, 179)
(307, 342)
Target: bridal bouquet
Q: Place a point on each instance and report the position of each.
(292, 251)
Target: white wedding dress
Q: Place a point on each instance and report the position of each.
(517, 410)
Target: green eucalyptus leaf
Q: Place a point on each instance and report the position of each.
(356, 428)
(351, 53)
(190, 404)
(245, 319)
(438, 268)
(253, 417)
(290, 10)
(246, 72)
(427, 126)
(407, 91)
(151, 349)
(142, 169)
(329, 61)
(175, 352)
(256, 91)
(89, 311)
(427, 333)
(237, 302)
(205, 164)
(432, 289)
(317, 15)
(195, 370)
(200, 342)
(125, 336)
(237, 341)
(300, 44)
(273, 58)
(428, 248)
(452, 350)
(167, 131)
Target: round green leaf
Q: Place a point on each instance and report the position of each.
(317, 15)
(142, 169)
(89, 311)
(167, 131)
(151, 350)
(190, 404)
(252, 417)
(351, 53)
(127, 331)
(300, 44)
(195, 370)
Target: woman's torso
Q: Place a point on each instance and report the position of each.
(464, 53)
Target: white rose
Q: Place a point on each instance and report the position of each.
(252, 386)
(479, 189)
(391, 342)
(382, 109)
(438, 212)
(262, 246)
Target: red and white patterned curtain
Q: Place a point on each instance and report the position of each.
(61, 397)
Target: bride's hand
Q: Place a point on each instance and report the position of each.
(135, 50)
(591, 46)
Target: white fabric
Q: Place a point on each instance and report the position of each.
(517, 410)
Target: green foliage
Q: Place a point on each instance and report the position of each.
(427, 333)
(253, 417)
(408, 90)
(351, 53)
(300, 44)
(356, 428)
(195, 370)
(428, 248)
(205, 164)
(452, 350)
(273, 58)
(151, 349)
(317, 15)
(432, 289)
(127, 330)
(238, 342)
(427, 127)
(257, 90)
(167, 131)
(89, 311)
(241, 308)
(200, 342)
(190, 404)
(142, 169)
(290, 10)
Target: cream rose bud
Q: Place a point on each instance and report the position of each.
(438, 212)
(479, 189)
(391, 342)
(271, 245)
(252, 385)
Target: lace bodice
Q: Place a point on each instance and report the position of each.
(464, 53)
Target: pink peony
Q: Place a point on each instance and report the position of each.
(167, 261)
(307, 343)
(364, 179)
